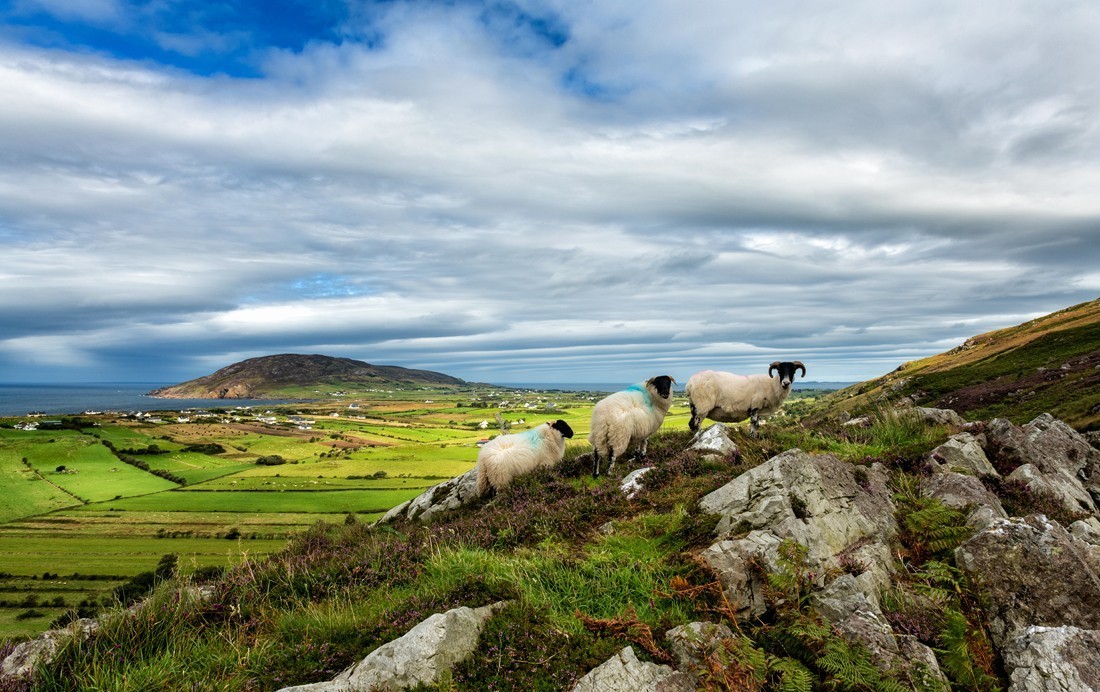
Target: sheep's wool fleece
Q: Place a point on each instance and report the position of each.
(505, 457)
(626, 417)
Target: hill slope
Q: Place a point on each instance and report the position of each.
(1048, 364)
(294, 375)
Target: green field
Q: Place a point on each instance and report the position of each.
(102, 517)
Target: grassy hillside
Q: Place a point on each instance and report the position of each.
(587, 570)
(1051, 364)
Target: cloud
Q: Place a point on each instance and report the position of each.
(543, 191)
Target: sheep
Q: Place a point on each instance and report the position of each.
(728, 398)
(504, 458)
(626, 419)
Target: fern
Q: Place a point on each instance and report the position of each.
(789, 675)
(956, 656)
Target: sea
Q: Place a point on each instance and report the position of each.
(68, 399)
(62, 399)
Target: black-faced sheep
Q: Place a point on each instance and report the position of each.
(729, 398)
(503, 458)
(626, 419)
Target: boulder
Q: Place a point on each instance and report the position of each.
(1048, 456)
(623, 672)
(632, 483)
(1058, 448)
(692, 644)
(444, 497)
(714, 441)
(962, 492)
(841, 513)
(25, 657)
(938, 416)
(855, 615)
(1087, 530)
(1053, 659)
(1030, 572)
(419, 657)
(1067, 490)
(963, 453)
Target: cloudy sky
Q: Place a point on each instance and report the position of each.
(539, 191)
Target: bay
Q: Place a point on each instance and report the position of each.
(62, 399)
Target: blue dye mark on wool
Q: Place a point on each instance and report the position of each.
(641, 392)
(532, 437)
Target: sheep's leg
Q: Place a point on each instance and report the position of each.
(611, 456)
(754, 418)
(695, 420)
(641, 449)
(596, 463)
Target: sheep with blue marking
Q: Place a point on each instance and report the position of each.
(504, 458)
(626, 419)
(729, 398)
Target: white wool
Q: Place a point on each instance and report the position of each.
(504, 458)
(729, 398)
(625, 420)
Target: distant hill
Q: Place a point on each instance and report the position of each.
(291, 375)
(1048, 364)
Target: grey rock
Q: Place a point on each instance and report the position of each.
(694, 643)
(714, 440)
(632, 483)
(855, 614)
(1087, 530)
(1053, 659)
(1007, 444)
(938, 416)
(960, 491)
(1066, 489)
(440, 498)
(21, 663)
(1058, 448)
(419, 657)
(859, 422)
(813, 500)
(963, 453)
(1030, 572)
(623, 672)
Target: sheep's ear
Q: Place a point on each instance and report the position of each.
(798, 364)
(773, 366)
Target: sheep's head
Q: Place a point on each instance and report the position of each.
(562, 427)
(786, 370)
(662, 384)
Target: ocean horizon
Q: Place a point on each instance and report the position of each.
(21, 399)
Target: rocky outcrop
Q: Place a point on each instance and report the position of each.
(962, 492)
(444, 497)
(692, 645)
(938, 416)
(420, 657)
(1054, 659)
(20, 664)
(623, 672)
(963, 453)
(856, 616)
(1031, 571)
(832, 507)
(1048, 457)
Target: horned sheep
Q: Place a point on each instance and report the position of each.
(626, 419)
(729, 398)
(504, 458)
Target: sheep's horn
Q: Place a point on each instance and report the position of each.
(771, 367)
(798, 364)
